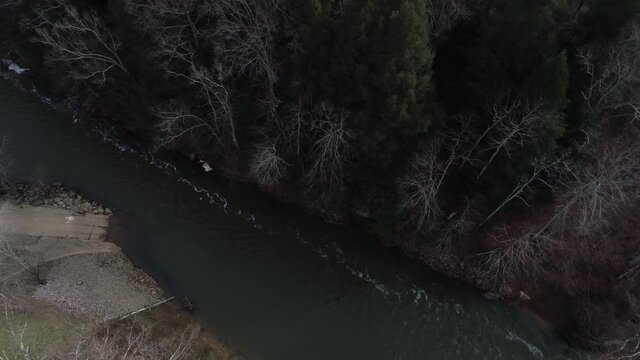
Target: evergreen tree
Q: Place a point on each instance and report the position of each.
(516, 47)
(512, 51)
(371, 57)
(607, 18)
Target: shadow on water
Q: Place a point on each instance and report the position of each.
(273, 281)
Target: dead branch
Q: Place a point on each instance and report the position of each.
(540, 168)
(146, 308)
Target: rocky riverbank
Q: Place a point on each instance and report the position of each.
(54, 195)
(58, 270)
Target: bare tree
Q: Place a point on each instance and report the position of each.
(625, 345)
(513, 123)
(524, 187)
(33, 267)
(331, 149)
(179, 30)
(446, 14)
(458, 225)
(293, 130)
(132, 341)
(79, 40)
(614, 73)
(590, 194)
(175, 120)
(21, 344)
(515, 255)
(246, 30)
(627, 348)
(419, 190)
(267, 166)
(216, 95)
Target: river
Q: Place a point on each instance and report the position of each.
(274, 282)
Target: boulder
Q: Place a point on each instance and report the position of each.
(523, 296)
(36, 202)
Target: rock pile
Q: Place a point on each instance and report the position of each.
(51, 196)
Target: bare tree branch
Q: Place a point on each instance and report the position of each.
(18, 339)
(179, 28)
(134, 341)
(540, 168)
(331, 149)
(514, 256)
(626, 344)
(267, 166)
(246, 29)
(458, 226)
(80, 41)
(590, 194)
(33, 267)
(176, 121)
(512, 125)
(614, 74)
(293, 130)
(421, 187)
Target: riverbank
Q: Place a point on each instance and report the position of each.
(60, 270)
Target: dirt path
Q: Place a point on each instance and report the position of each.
(53, 222)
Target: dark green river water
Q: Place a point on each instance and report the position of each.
(275, 283)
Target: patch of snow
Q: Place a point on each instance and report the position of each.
(69, 219)
(13, 66)
(206, 166)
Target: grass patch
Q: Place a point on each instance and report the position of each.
(41, 329)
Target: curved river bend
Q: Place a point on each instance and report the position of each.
(272, 281)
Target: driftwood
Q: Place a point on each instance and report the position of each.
(148, 307)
